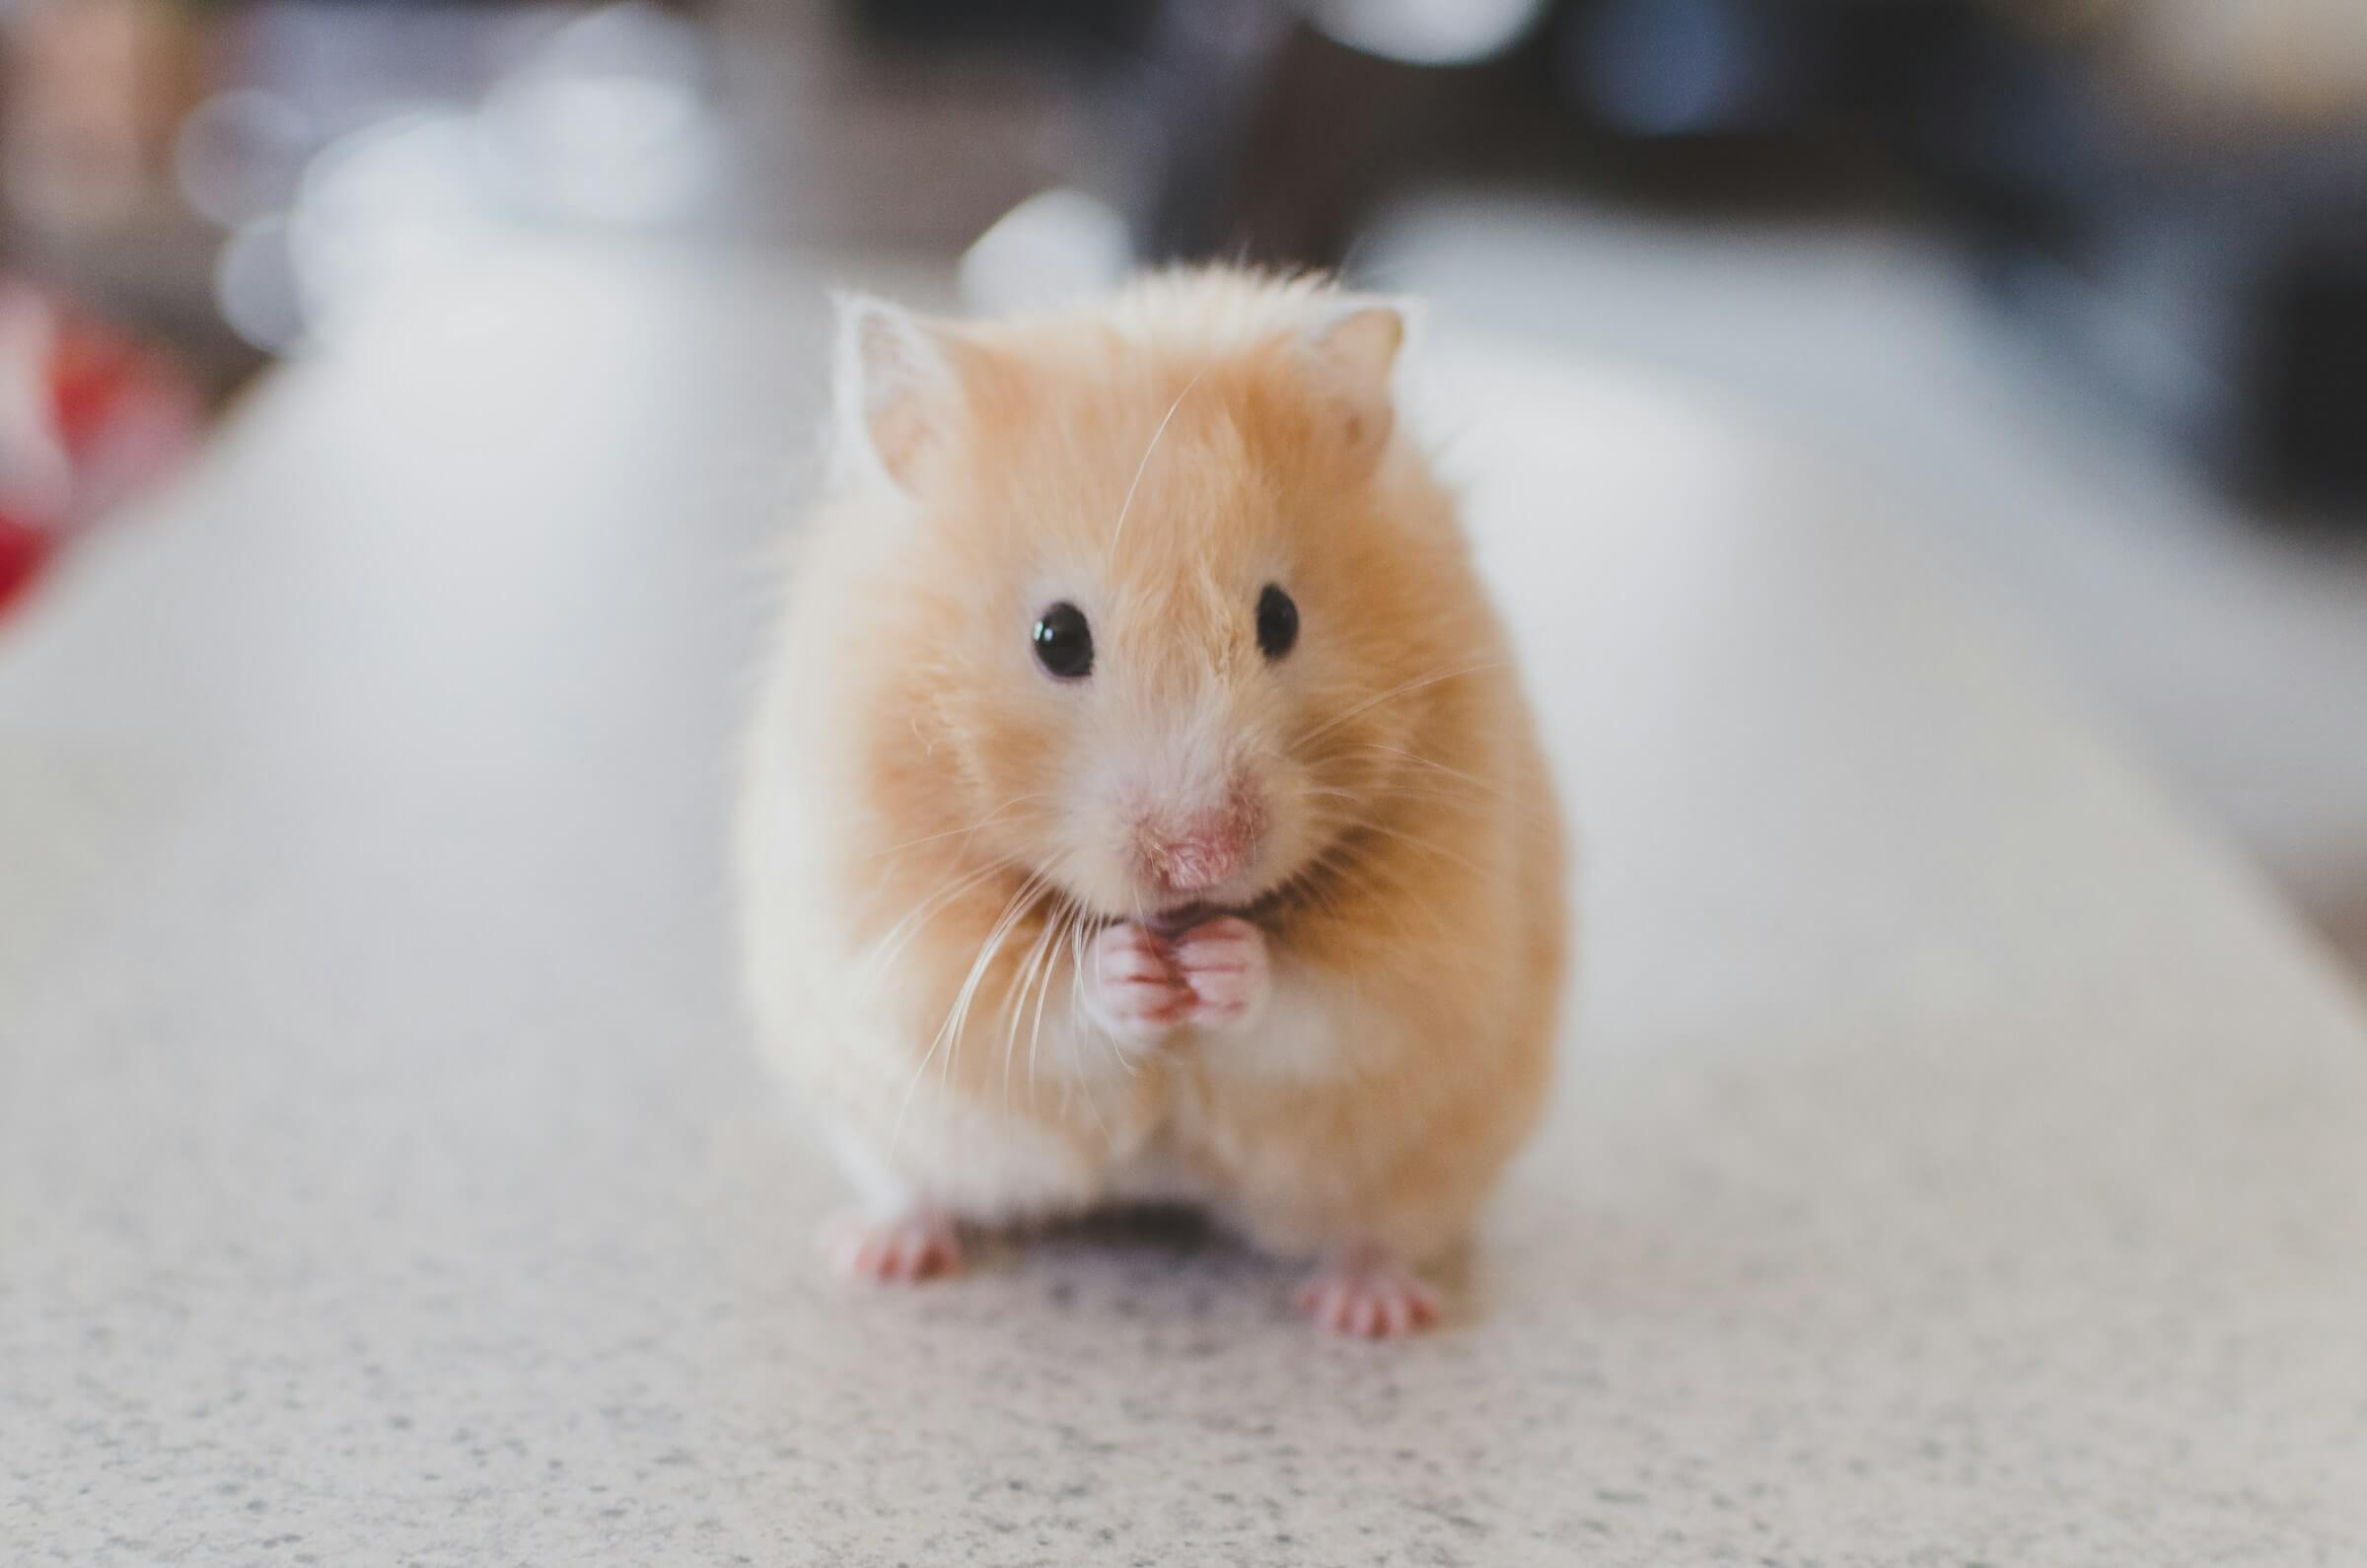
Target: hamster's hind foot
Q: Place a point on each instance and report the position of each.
(1369, 1295)
(899, 1248)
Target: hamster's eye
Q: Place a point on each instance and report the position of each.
(1277, 622)
(1064, 642)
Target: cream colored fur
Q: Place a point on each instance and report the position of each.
(932, 832)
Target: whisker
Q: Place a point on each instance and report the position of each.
(1398, 690)
(1143, 466)
(1018, 1002)
(900, 934)
(959, 1020)
(1076, 996)
(1066, 916)
(1472, 779)
(1495, 792)
(948, 1033)
(989, 820)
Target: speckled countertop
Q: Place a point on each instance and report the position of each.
(1959, 1160)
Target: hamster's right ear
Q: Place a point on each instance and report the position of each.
(1354, 349)
(896, 390)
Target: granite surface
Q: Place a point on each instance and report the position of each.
(1958, 1159)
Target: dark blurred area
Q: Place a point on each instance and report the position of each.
(2172, 193)
(2085, 279)
(2149, 183)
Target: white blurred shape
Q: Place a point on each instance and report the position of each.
(255, 286)
(609, 123)
(1055, 247)
(1429, 32)
(240, 154)
(398, 206)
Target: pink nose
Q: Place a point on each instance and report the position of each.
(1192, 852)
(1197, 858)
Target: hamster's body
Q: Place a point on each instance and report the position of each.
(1141, 801)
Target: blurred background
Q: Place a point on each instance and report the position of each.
(2083, 283)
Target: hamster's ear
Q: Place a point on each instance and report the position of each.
(896, 390)
(1355, 346)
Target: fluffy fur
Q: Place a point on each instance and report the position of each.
(945, 887)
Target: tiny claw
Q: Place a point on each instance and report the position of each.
(902, 1248)
(1132, 987)
(1368, 1298)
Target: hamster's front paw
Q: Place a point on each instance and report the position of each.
(1224, 965)
(1134, 988)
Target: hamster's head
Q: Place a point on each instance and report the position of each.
(1160, 592)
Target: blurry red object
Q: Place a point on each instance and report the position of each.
(22, 552)
(87, 417)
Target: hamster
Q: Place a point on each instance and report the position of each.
(1140, 801)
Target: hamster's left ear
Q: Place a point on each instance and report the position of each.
(1354, 346)
(896, 391)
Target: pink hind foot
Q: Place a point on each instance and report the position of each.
(1370, 1297)
(900, 1249)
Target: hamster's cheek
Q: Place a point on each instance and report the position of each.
(1015, 751)
(1307, 810)
(1094, 874)
(1076, 838)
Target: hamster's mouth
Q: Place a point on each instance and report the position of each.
(1172, 922)
(1180, 918)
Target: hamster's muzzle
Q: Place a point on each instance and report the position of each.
(1181, 854)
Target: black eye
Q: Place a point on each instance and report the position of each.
(1064, 642)
(1277, 622)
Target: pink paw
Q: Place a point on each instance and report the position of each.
(1223, 962)
(1132, 986)
(1370, 1297)
(901, 1249)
